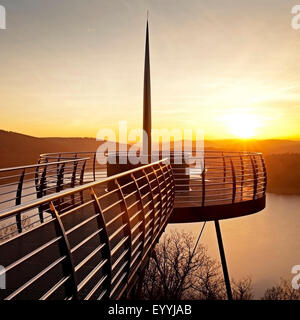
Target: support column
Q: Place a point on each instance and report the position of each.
(223, 260)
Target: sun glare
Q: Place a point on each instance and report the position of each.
(243, 125)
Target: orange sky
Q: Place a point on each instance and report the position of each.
(70, 68)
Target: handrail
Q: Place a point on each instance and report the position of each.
(31, 166)
(225, 172)
(224, 179)
(25, 183)
(223, 168)
(90, 245)
(90, 238)
(53, 197)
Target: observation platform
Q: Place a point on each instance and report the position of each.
(213, 185)
(70, 231)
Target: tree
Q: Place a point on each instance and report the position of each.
(178, 270)
(242, 289)
(282, 291)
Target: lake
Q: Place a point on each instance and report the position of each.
(263, 246)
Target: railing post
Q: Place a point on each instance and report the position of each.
(128, 228)
(101, 224)
(203, 181)
(224, 168)
(233, 181)
(242, 179)
(73, 179)
(160, 197)
(57, 166)
(59, 181)
(254, 168)
(18, 200)
(36, 177)
(172, 178)
(67, 249)
(142, 213)
(94, 166)
(81, 180)
(172, 181)
(42, 187)
(165, 184)
(153, 205)
(82, 173)
(265, 174)
(60, 178)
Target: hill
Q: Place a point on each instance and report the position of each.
(282, 156)
(19, 149)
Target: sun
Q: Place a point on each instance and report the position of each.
(243, 125)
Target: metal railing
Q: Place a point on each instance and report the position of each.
(23, 184)
(219, 178)
(94, 240)
(212, 178)
(93, 170)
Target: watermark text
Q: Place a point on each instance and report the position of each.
(2, 17)
(295, 22)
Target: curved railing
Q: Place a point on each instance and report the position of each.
(23, 184)
(206, 179)
(94, 241)
(209, 179)
(93, 170)
(218, 178)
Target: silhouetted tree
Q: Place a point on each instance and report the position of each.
(242, 289)
(178, 271)
(282, 291)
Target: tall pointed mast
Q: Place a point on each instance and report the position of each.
(147, 100)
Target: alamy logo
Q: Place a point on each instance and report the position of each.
(2, 17)
(2, 278)
(295, 23)
(296, 279)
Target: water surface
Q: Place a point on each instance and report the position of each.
(263, 246)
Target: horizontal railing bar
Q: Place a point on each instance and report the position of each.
(35, 278)
(102, 294)
(136, 238)
(115, 277)
(90, 275)
(118, 216)
(27, 231)
(117, 284)
(118, 246)
(122, 255)
(87, 239)
(30, 255)
(89, 257)
(96, 287)
(135, 256)
(135, 215)
(84, 222)
(85, 204)
(54, 197)
(40, 165)
(54, 288)
(117, 231)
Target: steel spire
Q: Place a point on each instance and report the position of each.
(147, 100)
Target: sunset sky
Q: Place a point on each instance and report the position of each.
(72, 67)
